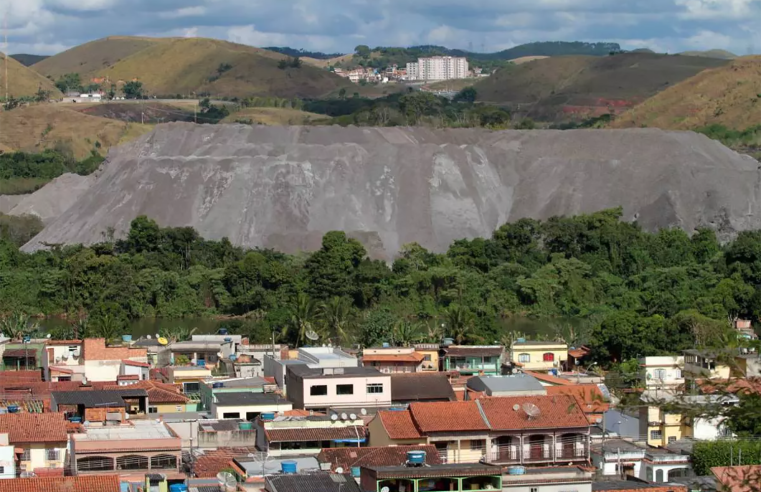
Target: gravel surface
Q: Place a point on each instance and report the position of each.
(284, 187)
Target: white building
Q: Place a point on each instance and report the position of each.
(438, 68)
(7, 458)
(662, 373)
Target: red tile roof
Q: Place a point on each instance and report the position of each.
(96, 349)
(399, 425)
(474, 351)
(415, 357)
(17, 376)
(92, 483)
(212, 462)
(377, 456)
(33, 427)
(157, 392)
(447, 416)
(558, 411)
(128, 362)
(315, 434)
(738, 478)
(546, 378)
(589, 397)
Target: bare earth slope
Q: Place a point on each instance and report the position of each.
(284, 187)
(54, 198)
(729, 95)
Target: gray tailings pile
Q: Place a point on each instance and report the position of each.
(284, 187)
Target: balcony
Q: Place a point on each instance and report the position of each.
(564, 451)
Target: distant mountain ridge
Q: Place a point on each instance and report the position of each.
(293, 52)
(28, 60)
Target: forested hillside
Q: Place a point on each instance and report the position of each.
(631, 293)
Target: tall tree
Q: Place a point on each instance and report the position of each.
(335, 314)
(303, 313)
(330, 271)
(460, 322)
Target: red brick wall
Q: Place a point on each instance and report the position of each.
(95, 349)
(99, 414)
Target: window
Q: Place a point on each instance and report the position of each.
(548, 357)
(659, 374)
(26, 455)
(534, 489)
(320, 390)
(179, 408)
(52, 455)
(163, 461)
(672, 439)
(477, 445)
(678, 374)
(656, 435)
(191, 387)
(375, 388)
(2, 470)
(231, 415)
(153, 410)
(345, 389)
(132, 462)
(524, 358)
(427, 358)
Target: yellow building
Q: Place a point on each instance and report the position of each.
(662, 427)
(42, 437)
(538, 356)
(430, 353)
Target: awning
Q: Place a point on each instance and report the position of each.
(350, 441)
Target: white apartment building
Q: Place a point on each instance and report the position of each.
(438, 68)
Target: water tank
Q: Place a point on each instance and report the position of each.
(126, 338)
(289, 467)
(355, 471)
(75, 419)
(516, 470)
(233, 357)
(521, 340)
(448, 341)
(268, 416)
(245, 426)
(201, 363)
(178, 487)
(228, 339)
(416, 457)
(217, 385)
(12, 408)
(222, 331)
(386, 345)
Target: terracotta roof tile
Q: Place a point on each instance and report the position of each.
(399, 425)
(558, 411)
(128, 362)
(212, 462)
(318, 434)
(17, 376)
(473, 351)
(157, 392)
(33, 427)
(448, 416)
(738, 478)
(415, 357)
(377, 456)
(92, 483)
(589, 396)
(96, 349)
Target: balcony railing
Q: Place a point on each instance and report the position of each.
(538, 453)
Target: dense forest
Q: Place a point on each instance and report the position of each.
(628, 292)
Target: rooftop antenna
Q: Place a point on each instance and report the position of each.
(5, 51)
(531, 410)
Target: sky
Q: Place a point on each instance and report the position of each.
(50, 26)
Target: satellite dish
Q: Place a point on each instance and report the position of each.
(334, 417)
(157, 335)
(516, 407)
(162, 341)
(341, 470)
(385, 489)
(312, 335)
(344, 416)
(353, 416)
(148, 337)
(48, 336)
(531, 410)
(363, 411)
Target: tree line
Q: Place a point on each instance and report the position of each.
(632, 293)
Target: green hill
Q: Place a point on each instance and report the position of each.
(720, 54)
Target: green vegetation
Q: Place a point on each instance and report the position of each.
(412, 108)
(748, 140)
(710, 454)
(21, 172)
(631, 293)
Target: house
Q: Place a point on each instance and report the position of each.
(24, 357)
(189, 378)
(593, 399)
(99, 362)
(211, 388)
(338, 387)
(515, 430)
(635, 486)
(40, 440)
(451, 477)
(207, 463)
(704, 364)
(393, 359)
(430, 353)
(96, 483)
(247, 406)
(539, 356)
(163, 398)
(738, 478)
(547, 479)
(618, 458)
(346, 459)
(101, 405)
(320, 482)
(7, 458)
(663, 465)
(408, 388)
(278, 370)
(468, 360)
(61, 354)
(663, 373)
(252, 468)
(204, 433)
(514, 385)
(325, 357)
(130, 449)
(281, 435)
(203, 352)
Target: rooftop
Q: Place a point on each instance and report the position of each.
(557, 411)
(448, 416)
(474, 350)
(97, 398)
(33, 427)
(449, 470)
(414, 357)
(738, 478)
(305, 434)
(319, 482)
(377, 456)
(92, 483)
(615, 445)
(500, 384)
(538, 343)
(264, 466)
(420, 386)
(622, 485)
(157, 392)
(399, 425)
(253, 382)
(241, 399)
(335, 372)
(136, 429)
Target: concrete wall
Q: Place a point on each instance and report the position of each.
(545, 487)
(8, 462)
(38, 455)
(536, 356)
(360, 397)
(241, 411)
(102, 370)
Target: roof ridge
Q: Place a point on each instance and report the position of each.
(483, 414)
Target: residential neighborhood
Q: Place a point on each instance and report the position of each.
(106, 416)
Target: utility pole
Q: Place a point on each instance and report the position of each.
(5, 51)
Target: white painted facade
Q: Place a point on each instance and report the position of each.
(7, 458)
(438, 68)
(663, 371)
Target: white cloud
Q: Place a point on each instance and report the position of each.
(183, 12)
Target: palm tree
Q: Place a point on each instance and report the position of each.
(17, 325)
(405, 334)
(177, 333)
(335, 316)
(460, 322)
(108, 327)
(302, 318)
(434, 331)
(509, 338)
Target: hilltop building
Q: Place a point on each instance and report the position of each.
(438, 68)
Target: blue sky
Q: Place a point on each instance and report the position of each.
(50, 26)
